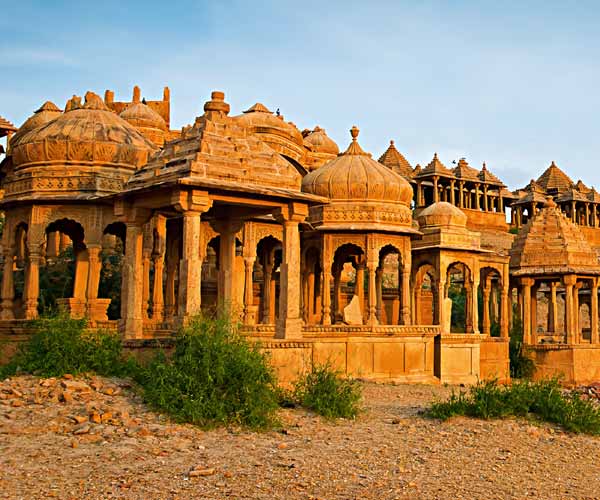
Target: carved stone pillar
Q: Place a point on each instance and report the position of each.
(8, 288)
(485, 322)
(477, 193)
(372, 318)
(419, 194)
(534, 303)
(440, 307)
(594, 339)
(157, 288)
(379, 287)
(95, 308)
(131, 300)
(436, 193)
(486, 205)
(573, 212)
(452, 194)
(552, 309)
(504, 310)
(249, 308)
(289, 324)
(326, 296)
(227, 235)
(170, 288)
(461, 194)
(31, 290)
(526, 284)
(569, 282)
(53, 245)
(310, 296)
(576, 326)
(146, 254)
(405, 306)
(360, 286)
(267, 272)
(190, 267)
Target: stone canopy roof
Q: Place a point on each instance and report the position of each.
(436, 167)
(554, 179)
(5, 127)
(393, 159)
(219, 152)
(550, 244)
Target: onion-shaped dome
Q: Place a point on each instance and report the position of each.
(147, 121)
(44, 114)
(354, 175)
(87, 148)
(442, 214)
(319, 142)
(281, 136)
(368, 191)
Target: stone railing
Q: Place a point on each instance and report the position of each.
(378, 330)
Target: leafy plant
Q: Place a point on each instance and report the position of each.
(324, 391)
(545, 400)
(213, 377)
(521, 366)
(61, 345)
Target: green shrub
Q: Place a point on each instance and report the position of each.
(545, 399)
(521, 366)
(325, 392)
(213, 377)
(61, 345)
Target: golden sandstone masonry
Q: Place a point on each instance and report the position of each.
(387, 271)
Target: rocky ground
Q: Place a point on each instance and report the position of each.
(94, 439)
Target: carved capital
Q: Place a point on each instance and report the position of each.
(293, 212)
(191, 200)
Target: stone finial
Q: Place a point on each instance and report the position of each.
(435, 156)
(216, 106)
(391, 142)
(354, 131)
(166, 94)
(484, 167)
(109, 96)
(136, 94)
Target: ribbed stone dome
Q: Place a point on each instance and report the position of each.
(85, 135)
(442, 214)
(44, 114)
(142, 115)
(319, 142)
(259, 119)
(355, 176)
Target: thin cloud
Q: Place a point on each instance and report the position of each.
(23, 56)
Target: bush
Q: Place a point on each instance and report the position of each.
(521, 366)
(61, 345)
(544, 399)
(325, 392)
(214, 377)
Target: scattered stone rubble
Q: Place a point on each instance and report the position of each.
(93, 438)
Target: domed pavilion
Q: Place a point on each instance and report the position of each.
(368, 217)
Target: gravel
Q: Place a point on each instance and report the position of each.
(100, 442)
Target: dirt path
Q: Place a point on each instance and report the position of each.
(389, 452)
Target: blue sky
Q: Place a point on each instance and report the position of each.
(512, 83)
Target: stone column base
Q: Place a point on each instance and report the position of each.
(251, 315)
(96, 309)
(75, 307)
(289, 328)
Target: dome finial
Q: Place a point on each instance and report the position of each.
(354, 131)
(391, 142)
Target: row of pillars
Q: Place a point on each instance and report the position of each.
(477, 200)
(528, 301)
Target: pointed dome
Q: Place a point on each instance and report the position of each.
(394, 160)
(554, 179)
(319, 142)
(551, 244)
(354, 175)
(363, 194)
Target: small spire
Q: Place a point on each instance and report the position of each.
(391, 142)
(354, 131)
(435, 156)
(136, 94)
